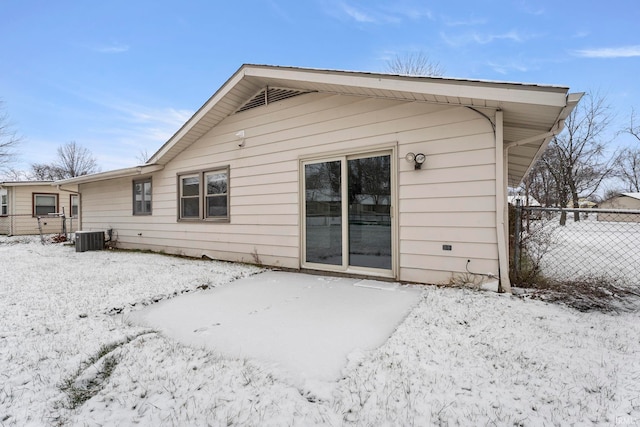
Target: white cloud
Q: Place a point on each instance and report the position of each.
(481, 38)
(357, 14)
(114, 48)
(386, 14)
(464, 22)
(507, 67)
(488, 38)
(610, 52)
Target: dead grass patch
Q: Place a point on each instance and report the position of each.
(585, 294)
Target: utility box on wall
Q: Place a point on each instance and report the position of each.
(89, 241)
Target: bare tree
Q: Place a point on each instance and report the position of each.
(414, 64)
(575, 159)
(628, 162)
(73, 160)
(8, 139)
(13, 174)
(143, 156)
(541, 185)
(46, 172)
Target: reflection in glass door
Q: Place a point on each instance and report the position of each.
(323, 212)
(370, 212)
(347, 219)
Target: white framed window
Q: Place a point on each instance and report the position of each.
(204, 195)
(142, 197)
(44, 204)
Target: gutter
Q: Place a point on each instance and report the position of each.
(572, 100)
(502, 225)
(59, 187)
(102, 176)
(502, 175)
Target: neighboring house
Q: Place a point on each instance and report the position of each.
(345, 172)
(524, 200)
(622, 201)
(586, 204)
(23, 201)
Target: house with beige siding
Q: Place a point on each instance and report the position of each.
(22, 202)
(624, 201)
(357, 173)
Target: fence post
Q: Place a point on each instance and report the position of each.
(517, 237)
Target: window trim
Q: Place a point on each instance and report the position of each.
(143, 212)
(4, 206)
(206, 195)
(202, 195)
(33, 203)
(71, 215)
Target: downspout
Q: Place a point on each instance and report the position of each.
(502, 213)
(12, 210)
(59, 187)
(502, 226)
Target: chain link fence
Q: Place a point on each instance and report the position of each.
(588, 259)
(27, 224)
(575, 245)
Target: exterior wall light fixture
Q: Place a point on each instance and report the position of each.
(240, 137)
(416, 159)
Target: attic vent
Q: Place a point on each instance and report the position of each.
(269, 95)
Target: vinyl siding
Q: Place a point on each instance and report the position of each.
(21, 221)
(450, 201)
(620, 202)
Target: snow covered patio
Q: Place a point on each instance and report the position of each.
(306, 324)
(460, 357)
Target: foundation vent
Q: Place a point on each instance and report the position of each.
(269, 95)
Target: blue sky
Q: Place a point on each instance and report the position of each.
(120, 77)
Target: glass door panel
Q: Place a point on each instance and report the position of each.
(323, 212)
(369, 187)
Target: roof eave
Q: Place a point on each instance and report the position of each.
(23, 183)
(464, 91)
(572, 100)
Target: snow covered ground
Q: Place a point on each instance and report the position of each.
(305, 324)
(461, 357)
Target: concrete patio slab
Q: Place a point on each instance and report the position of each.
(305, 324)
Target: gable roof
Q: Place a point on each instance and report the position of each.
(532, 114)
(632, 195)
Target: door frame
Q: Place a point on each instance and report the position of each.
(344, 155)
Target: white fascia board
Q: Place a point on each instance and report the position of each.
(23, 183)
(211, 103)
(499, 92)
(117, 173)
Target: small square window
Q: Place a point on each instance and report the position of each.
(44, 204)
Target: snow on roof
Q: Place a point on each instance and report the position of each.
(632, 195)
(523, 200)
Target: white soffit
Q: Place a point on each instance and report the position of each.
(529, 110)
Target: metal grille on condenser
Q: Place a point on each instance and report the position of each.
(268, 96)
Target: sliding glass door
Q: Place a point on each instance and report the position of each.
(323, 212)
(347, 213)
